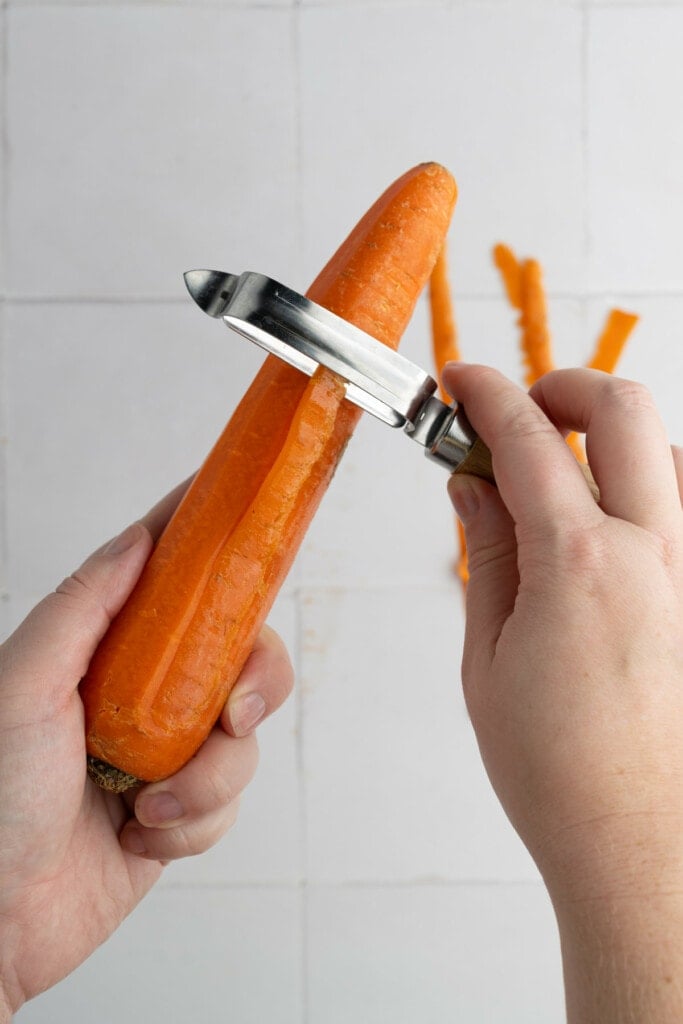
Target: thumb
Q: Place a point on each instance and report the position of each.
(492, 562)
(44, 660)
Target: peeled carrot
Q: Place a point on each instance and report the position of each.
(159, 679)
(614, 336)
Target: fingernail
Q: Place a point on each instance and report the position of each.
(132, 841)
(158, 809)
(247, 712)
(130, 536)
(464, 497)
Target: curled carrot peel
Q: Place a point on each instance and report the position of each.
(445, 349)
(533, 322)
(523, 283)
(158, 681)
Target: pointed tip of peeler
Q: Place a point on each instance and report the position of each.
(210, 289)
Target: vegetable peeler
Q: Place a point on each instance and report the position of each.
(379, 380)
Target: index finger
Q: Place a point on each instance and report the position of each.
(626, 442)
(537, 476)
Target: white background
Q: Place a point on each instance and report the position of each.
(372, 877)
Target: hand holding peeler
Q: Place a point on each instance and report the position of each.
(379, 380)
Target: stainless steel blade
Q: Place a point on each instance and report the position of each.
(306, 335)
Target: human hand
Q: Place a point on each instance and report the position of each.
(74, 860)
(573, 667)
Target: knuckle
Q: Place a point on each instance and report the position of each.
(629, 393)
(495, 556)
(585, 550)
(78, 591)
(250, 760)
(188, 841)
(218, 789)
(526, 423)
(76, 586)
(222, 781)
(192, 839)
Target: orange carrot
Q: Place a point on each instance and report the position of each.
(614, 336)
(462, 567)
(534, 322)
(510, 271)
(523, 283)
(524, 287)
(160, 678)
(445, 349)
(444, 331)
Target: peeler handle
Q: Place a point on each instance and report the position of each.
(478, 462)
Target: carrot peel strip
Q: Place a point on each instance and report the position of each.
(444, 330)
(536, 348)
(510, 271)
(612, 339)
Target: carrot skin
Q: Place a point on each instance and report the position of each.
(510, 272)
(533, 321)
(612, 339)
(160, 678)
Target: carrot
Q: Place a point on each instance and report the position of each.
(444, 332)
(445, 348)
(533, 322)
(523, 283)
(158, 681)
(614, 336)
(508, 265)
(462, 567)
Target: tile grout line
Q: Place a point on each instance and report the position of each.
(224, 5)
(353, 884)
(465, 296)
(323, 4)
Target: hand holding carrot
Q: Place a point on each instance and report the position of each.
(573, 671)
(75, 860)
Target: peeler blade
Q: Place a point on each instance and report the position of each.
(210, 289)
(306, 335)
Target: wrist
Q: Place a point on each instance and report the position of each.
(623, 958)
(5, 1009)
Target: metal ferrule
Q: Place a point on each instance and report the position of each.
(444, 431)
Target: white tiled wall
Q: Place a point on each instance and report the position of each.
(372, 876)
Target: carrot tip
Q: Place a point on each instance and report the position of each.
(106, 776)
